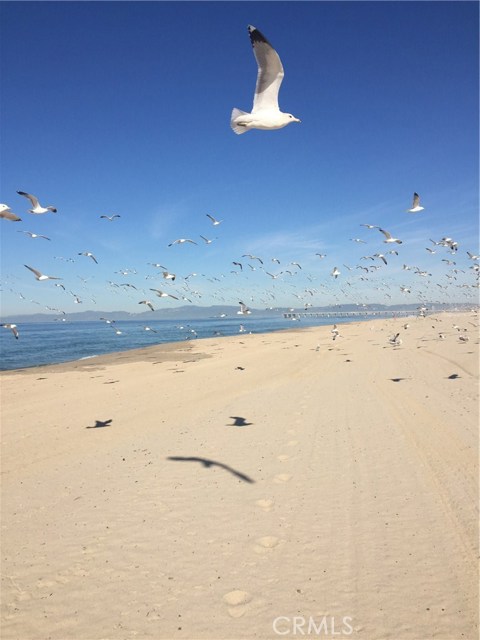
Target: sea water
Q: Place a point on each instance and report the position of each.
(41, 343)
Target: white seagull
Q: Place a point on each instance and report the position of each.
(168, 276)
(13, 328)
(265, 111)
(182, 241)
(388, 236)
(244, 310)
(33, 235)
(335, 272)
(41, 276)
(148, 303)
(415, 208)
(214, 221)
(163, 294)
(37, 207)
(7, 214)
(88, 254)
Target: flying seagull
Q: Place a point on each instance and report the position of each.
(115, 215)
(41, 276)
(415, 208)
(148, 303)
(182, 241)
(7, 214)
(163, 294)
(34, 235)
(265, 111)
(335, 272)
(214, 221)
(244, 310)
(88, 254)
(388, 236)
(37, 207)
(13, 328)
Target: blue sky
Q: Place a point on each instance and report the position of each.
(124, 108)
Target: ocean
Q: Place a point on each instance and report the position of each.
(41, 343)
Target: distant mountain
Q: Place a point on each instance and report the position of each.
(193, 312)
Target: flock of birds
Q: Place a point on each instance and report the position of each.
(265, 114)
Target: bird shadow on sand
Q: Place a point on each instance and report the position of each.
(212, 463)
(238, 421)
(398, 379)
(100, 423)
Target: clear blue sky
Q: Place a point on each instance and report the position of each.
(124, 108)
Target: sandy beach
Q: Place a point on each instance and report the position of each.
(255, 486)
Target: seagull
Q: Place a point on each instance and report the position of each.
(389, 237)
(150, 329)
(13, 328)
(34, 235)
(472, 256)
(168, 276)
(182, 241)
(370, 226)
(238, 264)
(395, 340)
(381, 256)
(335, 272)
(115, 215)
(37, 207)
(321, 255)
(416, 208)
(7, 214)
(163, 294)
(41, 276)
(265, 111)
(148, 303)
(244, 310)
(88, 254)
(249, 255)
(214, 221)
(358, 240)
(207, 241)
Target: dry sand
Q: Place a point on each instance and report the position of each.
(203, 490)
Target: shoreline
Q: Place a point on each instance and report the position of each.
(147, 351)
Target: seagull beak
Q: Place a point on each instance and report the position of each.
(296, 120)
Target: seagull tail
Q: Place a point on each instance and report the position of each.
(238, 127)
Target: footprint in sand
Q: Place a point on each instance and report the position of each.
(265, 544)
(281, 478)
(236, 601)
(265, 504)
(283, 457)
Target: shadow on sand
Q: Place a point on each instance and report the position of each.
(212, 463)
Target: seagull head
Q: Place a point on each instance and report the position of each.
(292, 118)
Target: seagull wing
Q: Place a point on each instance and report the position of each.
(33, 199)
(416, 200)
(270, 72)
(385, 233)
(37, 273)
